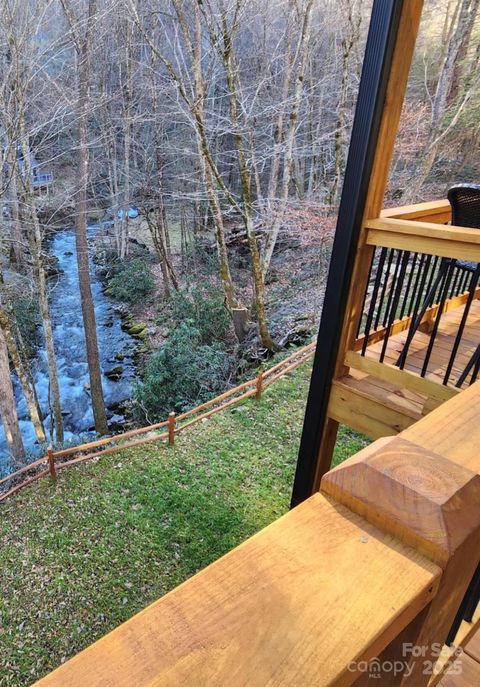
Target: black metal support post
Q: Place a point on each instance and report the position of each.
(383, 31)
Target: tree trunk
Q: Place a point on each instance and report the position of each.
(464, 20)
(467, 12)
(8, 409)
(126, 204)
(113, 185)
(157, 231)
(35, 243)
(222, 253)
(57, 424)
(127, 143)
(23, 377)
(207, 172)
(288, 159)
(348, 47)
(88, 310)
(247, 213)
(83, 46)
(16, 252)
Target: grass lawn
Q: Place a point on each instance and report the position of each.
(80, 556)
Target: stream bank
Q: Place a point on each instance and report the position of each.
(117, 350)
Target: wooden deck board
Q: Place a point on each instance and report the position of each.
(465, 670)
(357, 398)
(473, 647)
(410, 402)
(362, 407)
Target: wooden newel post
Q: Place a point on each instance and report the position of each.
(51, 463)
(431, 504)
(259, 384)
(171, 429)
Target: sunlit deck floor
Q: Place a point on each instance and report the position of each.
(465, 671)
(410, 404)
(442, 348)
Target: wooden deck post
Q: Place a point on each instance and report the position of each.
(171, 428)
(259, 385)
(51, 463)
(431, 504)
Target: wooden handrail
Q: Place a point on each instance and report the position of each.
(425, 237)
(300, 603)
(375, 562)
(432, 211)
(449, 437)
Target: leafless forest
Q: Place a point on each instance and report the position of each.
(188, 155)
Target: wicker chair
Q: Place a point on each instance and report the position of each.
(465, 202)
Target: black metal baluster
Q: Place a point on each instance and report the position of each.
(373, 302)
(422, 288)
(476, 368)
(455, 280)
(386, 314)
(473, 596)
(458, 337)
(398, 291)
(464, 283)
(473, 361)
(384, 287)
(409, 284)
(418, 276)
(440, 284)
(360, 319)
(444, 291)
(418, 313)
(432, 276)
(467, 607)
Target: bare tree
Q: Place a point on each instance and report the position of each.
(35, 241)
(8, 409)
(193, 95)
(459, 33)
(82, 27)
(349, 41)
(302, 15)
(23, 373)
(19, 27)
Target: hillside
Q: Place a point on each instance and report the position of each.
(81, 556)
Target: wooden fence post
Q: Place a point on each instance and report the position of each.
(259, 384)
(51, 463)
(171, 428)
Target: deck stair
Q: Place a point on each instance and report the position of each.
(379, 399)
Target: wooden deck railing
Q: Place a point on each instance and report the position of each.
(57, 460)
(414, 281)
(42, 179)
(361, 580)
(411, 335)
